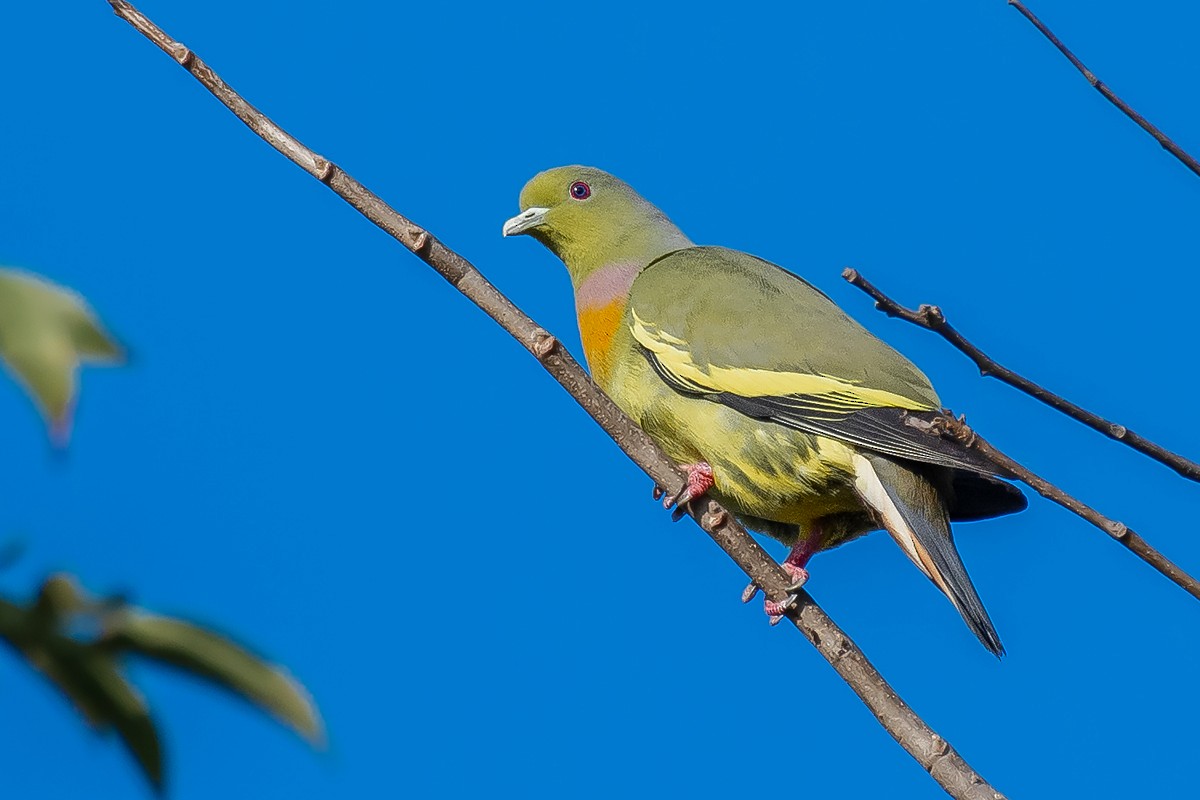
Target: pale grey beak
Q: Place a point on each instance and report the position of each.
(529, 218)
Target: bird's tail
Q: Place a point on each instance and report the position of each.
(913, 512)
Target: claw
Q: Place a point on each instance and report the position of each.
(799, 576)
(699, 481)
(750, 592)
(776, 610)
(658, 492)
(681, 499)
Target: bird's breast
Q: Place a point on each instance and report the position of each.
(598, 328)
(600, 302)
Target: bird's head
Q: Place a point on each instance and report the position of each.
(589, 219)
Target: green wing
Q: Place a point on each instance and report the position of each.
(740, 331)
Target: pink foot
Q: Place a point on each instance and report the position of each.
(775, 611)
(799, 577)
(798, 574)
(794, 566)
(699, 481)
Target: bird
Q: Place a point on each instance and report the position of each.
(775, 402)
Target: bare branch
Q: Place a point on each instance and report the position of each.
(932, 318)
(957, 429)
(1109, 94)
(931, 751)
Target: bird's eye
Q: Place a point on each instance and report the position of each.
(580, 190)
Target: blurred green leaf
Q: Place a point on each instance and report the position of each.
(209, 655)
(89, 676)
(92, 680)
(46, 331)
(80, 643)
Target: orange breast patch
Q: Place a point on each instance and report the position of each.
(597, 327)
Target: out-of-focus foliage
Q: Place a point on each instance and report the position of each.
(202, 652)
(82, 643)
(46, 332)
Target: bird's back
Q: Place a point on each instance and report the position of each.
(734, 310)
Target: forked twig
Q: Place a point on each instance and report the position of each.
(932, 318)
(931, 751)
(1108, 93)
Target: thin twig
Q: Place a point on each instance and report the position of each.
(932, 318)
(1109, 94)
(931, 751)
(957, 429)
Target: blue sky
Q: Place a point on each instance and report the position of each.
(324, 450)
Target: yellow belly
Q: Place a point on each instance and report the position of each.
(760, 469)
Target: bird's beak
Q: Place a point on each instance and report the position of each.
(529, 218)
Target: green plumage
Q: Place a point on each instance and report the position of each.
(766, 318)
(726, 359)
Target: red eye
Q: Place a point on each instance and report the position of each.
(580, 190)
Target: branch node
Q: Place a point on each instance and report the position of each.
(714, 519)
(182, 54)
(1117, 431)
(933, 314)
(1118, 530)
(947, 425)
(543, 343)
(420, 239)
(325, 170)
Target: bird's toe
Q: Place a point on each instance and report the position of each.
(776, 610)
(750, 592)
(799, 576)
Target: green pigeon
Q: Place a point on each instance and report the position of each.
(778, 405)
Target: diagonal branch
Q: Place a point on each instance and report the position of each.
(1108, 93)
(931, 751)
(957, 429)
(931, 318)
